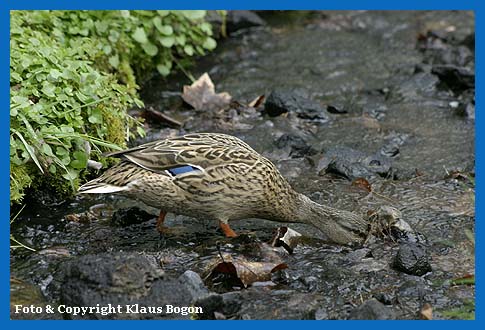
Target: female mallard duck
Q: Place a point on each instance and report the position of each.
(218, 176)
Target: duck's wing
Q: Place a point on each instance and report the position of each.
(199, 151)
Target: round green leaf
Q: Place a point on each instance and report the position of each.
(140, 35)
(209, 43)
(163, 69)
(150, 49)
(167, 41)
(189, 50)
(166, 29)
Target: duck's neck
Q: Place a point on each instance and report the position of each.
(339, 226)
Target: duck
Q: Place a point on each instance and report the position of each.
(218, 176)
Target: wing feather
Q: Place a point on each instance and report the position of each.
(200, 149)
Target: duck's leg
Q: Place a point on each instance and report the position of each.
(227, 230)
(161, 219)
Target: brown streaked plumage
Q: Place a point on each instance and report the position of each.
(221, 177)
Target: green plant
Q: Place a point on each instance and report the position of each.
(73, 75)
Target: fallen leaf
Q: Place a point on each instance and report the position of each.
(202, 96)
(159, 117)
(257, 101)
(426, 312)
(362, 183)
(246, 271)
(287, 238)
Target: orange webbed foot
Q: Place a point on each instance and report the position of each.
(226, 229)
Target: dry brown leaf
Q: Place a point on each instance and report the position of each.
(426, 312)
(257, 101)
(246, 271)
(202, 96)
(286, 237)
(362, 183)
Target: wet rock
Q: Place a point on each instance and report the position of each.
(235, 20)
(123, 279)
(298, 147)
(194, 284)
(392, 146)
(242, 19)
(357, 255)
(456, 78)
(384, 298)
(441, 47)
(336, 109)
(353, 164)
(131, 216)
(227, 304)
(27, 294)
(412, 259)
(466, 110)
(280, 102)
(469, 41)
(321, 314)
(372, 310)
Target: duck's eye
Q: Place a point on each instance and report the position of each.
(181, 170)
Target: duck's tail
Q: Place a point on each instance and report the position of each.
(98, 187)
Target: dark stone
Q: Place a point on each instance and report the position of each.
(194, 284)
(384, 298)
(469, 41)
(279, 102)
(439, 47)
(336, 109)
(372, 310)
(242, 19)
(122, 279)
(297, 145)
(456, 78)
(354, 164)
(412, 259)
(227, 304)
(467, 110)
(131, 216)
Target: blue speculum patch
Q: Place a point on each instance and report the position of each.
(181, 169)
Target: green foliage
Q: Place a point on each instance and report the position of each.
(73, 76)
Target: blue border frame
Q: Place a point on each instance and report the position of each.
(7, 5)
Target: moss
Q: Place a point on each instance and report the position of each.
(19, 181)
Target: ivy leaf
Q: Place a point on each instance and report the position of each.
(125, 13)
(166, 29)
(71, 174)
(80, 160)
(189, 50)
(167, 41)
(47, 150)
(96, 117)
(157, 21)
(54, 74)
(48, 89)
(114, 61)
(163, 13)
(180, 40)
(209, 43)
(140, 35)
(150, 49)
(194, 14)
(163, 69)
